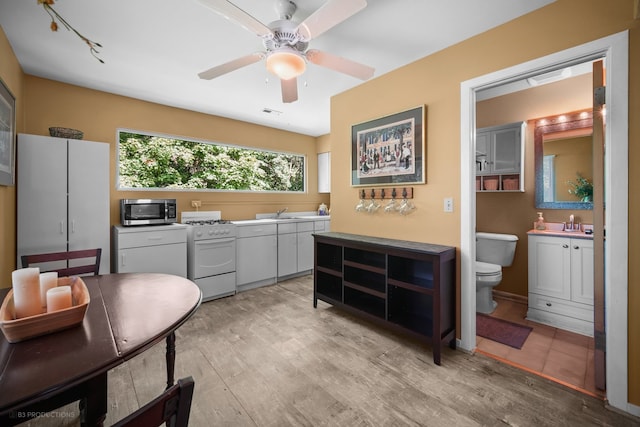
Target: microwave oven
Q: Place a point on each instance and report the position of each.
(147, 211)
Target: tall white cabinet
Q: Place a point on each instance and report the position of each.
(63, 196)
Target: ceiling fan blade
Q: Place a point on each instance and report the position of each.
(225, 68)
(342, 65)
(329, 15)
(239, 16)
(289, 90)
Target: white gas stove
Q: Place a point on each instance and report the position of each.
(211, 253)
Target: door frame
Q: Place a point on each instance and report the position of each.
(614, 50)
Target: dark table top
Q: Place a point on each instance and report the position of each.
(127, 314)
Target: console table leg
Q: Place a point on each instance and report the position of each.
(93, 407)
(171, 358)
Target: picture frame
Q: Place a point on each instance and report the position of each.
(7, 135)
(390, 150)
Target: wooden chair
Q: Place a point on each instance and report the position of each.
(171, 407)
(92, 267)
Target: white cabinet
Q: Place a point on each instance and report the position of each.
(561, 282)
(256, 255)
(500, 158)
(295, 247)
(287, 249)
(150, 249)
(305, 245)
(63, 196)
(324, 172)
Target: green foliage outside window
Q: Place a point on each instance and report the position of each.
(147, 161)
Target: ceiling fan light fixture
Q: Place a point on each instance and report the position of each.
(286, 64)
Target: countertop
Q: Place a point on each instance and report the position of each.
(282, 220)
(559, 233)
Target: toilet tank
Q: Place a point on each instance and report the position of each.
(496, 248)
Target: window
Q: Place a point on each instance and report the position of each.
(161, 162)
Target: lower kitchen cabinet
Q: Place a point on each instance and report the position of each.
(256, 255)
(561, 282)
(406, 286)
(150, 249)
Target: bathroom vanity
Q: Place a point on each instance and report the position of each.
(561, 280)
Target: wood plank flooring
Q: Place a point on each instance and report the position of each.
(266, 357)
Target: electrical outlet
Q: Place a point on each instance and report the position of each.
(448, 204)
(196, 204)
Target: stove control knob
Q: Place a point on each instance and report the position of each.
(198, 233)
(211, 232)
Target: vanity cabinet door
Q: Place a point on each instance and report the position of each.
(550, 266)
(582, 271)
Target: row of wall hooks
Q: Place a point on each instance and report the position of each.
(371, 205)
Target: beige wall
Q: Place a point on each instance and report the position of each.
(11, 75)
(100, 114)
(435, 81)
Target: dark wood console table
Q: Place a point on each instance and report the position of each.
(128, 314)
(408, 286)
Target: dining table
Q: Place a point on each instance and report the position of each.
(127, 314)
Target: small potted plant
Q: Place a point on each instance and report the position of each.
(582, 188)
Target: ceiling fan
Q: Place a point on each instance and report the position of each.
(286, 42)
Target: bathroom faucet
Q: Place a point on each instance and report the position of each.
(280, 212)
(571, 219)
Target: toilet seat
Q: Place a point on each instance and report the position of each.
(487, 269)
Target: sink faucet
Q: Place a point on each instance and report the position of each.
(280, 212)
(571, 223)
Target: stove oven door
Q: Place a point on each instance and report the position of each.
(213, 257)
(214, 267)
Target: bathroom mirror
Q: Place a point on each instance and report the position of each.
(564, 161)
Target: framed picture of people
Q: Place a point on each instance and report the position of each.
(7, 135)
(389, 150)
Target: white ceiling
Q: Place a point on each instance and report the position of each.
(154, 49)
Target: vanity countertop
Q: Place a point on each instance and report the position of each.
(558, 233)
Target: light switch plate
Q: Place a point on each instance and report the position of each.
(448, 204)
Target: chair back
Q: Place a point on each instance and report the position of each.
(171, 407)
(91, 266)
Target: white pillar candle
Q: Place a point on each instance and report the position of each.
(47, 281)
(58, 298)
(26, 292)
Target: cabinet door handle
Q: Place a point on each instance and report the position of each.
(61, 227)
(73, 226)
(576, 247)
(565, 246)
(548, 304)
(122, 260)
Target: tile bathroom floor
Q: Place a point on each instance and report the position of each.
(559, 355)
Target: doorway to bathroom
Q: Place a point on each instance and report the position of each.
(613, 50)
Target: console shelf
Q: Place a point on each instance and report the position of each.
(406, 286)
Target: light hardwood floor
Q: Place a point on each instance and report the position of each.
(266, 357)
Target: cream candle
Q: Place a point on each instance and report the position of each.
(47, 281)
(26, 292)
(58, 298)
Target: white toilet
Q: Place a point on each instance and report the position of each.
(493, 251)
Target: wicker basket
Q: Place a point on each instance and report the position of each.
(510, 184)
(66, 133)
(16, 330)
(491, 183)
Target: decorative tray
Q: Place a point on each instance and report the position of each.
(16, 330)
